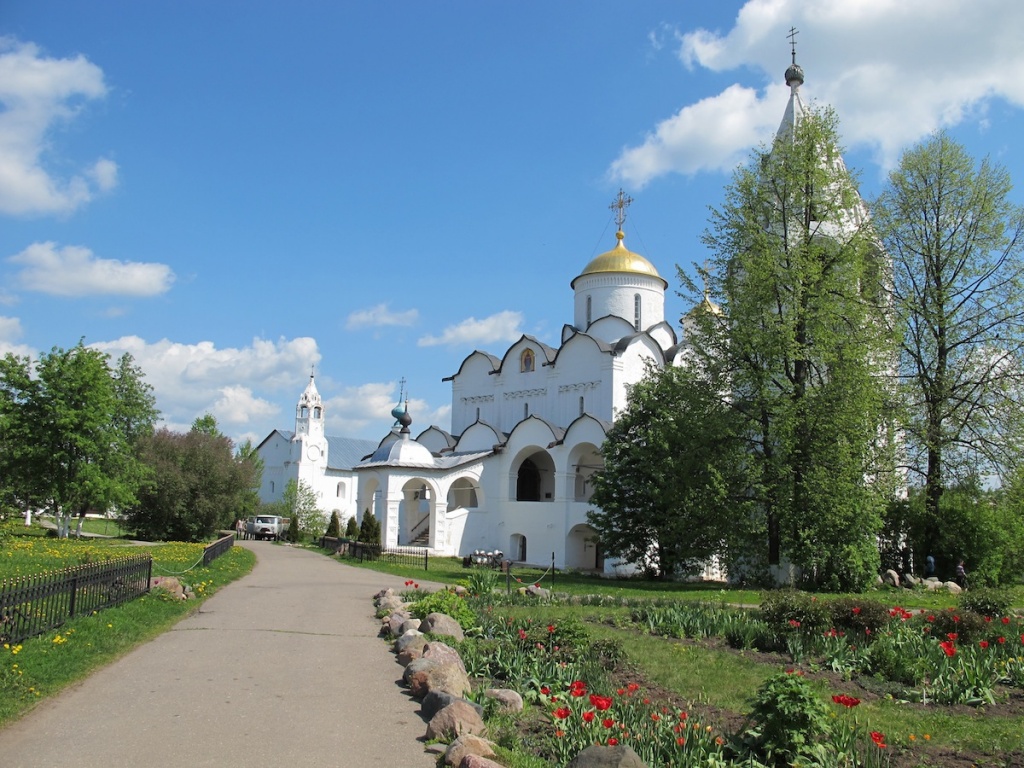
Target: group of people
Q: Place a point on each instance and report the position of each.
(960, 575)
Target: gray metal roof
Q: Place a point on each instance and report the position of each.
(342, 452)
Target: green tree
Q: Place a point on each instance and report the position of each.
(983, 527)
(671, 488)
(798, 336)
(352, 529)
(369, 529)
(301, 505)
(334, 527)
(955, 239)
(71, 429)
(250, 501)
(198, 486)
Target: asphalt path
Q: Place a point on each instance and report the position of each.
(282, 668)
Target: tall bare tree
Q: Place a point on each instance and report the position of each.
(955, 240)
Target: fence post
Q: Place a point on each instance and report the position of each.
(74, 594)
(552, 571)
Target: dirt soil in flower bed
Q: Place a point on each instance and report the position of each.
(1009, 704)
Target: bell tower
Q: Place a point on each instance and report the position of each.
(309, 426)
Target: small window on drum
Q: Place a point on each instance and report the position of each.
(636, 312)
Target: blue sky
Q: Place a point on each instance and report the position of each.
(237, 191)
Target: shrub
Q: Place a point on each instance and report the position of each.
(991, 602)
(352, 529)
(854, 615)
(334, 527)
(967, 625)
(781, 608)
(448, 602)
(785, 717)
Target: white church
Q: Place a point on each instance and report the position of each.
(514, 474)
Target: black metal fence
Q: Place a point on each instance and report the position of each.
(31, 605)
(218, 548)
(415, 556)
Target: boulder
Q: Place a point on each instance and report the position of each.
(597, 756)
(412, 637)
(536, 591)
(467, 744)
(412, 650)
(396, 621)
(891, 578)
(476, 761)
(508, 700)
(457, 719)
(435, 701)
(390, 604)
(410, 623)
(442, 624)
(953, 587)
(443, 653)
(426, 675)
(170, 585)
(909, 580)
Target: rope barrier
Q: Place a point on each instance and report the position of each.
(178, 573)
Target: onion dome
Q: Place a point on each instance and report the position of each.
(794, 74)
(620, 259)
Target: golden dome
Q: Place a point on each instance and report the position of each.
(619, 259)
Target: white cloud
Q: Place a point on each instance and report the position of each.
(75, 271)
(238, 405)
(10, 332)
(36, 93)
(358, 408)
(236, 385)
(503, 326)
(895, 71)
(380, 315)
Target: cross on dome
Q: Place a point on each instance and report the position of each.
(619, 205)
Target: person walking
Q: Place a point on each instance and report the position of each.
(961, 575)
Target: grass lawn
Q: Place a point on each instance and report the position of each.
(43, 666)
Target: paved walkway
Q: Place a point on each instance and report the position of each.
(282, 668)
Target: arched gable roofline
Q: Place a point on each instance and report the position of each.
(643, 337)
(602, 346)
(581, 424)
(610, 320)
(497, 438)
(546, 353)
(667, 326)
(434, 434)
(494, 362)
(584, 422)
(557, 433)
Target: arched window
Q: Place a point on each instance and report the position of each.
(303, 412)
(271, 486)
(316, 412)
(528, 482)
(341, 489)
(636, 312)
(526, 361)
(590, 306)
